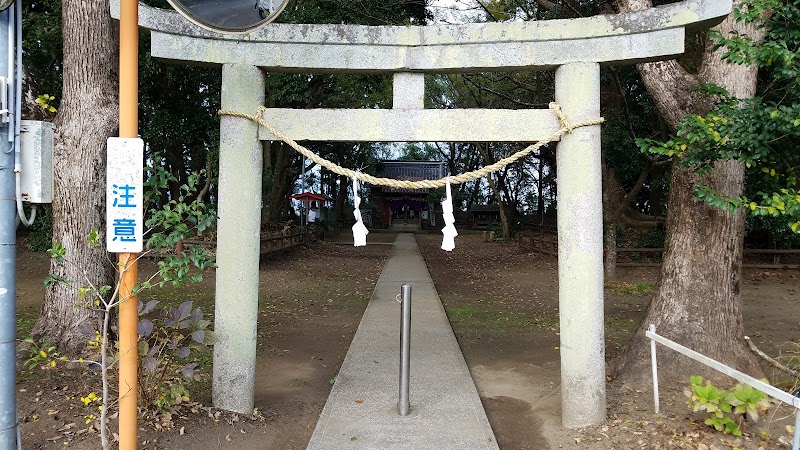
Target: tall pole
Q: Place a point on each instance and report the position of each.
(128, 267)
(8, 258)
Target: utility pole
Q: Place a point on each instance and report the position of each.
(8, 248)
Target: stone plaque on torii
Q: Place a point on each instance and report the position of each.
(575, 48)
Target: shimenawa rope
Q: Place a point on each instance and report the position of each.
(566, 127)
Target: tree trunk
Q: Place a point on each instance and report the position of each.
(610, 253)
(656, 196)
(209, 177)
(502, 208)
(487, 160)
(177, 167)
(615, 203)
(698, 299)
(266, 179)
(540, 190)
(612, 197)
(88, 115)
(277, 197)
(341, 195)
(698, 302)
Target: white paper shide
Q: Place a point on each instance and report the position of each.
(449, 231)
(360, 232)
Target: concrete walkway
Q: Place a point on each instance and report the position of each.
(361, 412)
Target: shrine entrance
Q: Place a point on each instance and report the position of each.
(575, 48)
(405, 211)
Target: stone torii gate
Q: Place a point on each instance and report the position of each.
(575, 48)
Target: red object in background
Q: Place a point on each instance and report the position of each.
(308, 196)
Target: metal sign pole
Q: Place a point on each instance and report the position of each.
(128, 267)
(403, 405)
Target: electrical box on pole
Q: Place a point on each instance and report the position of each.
(36, 149)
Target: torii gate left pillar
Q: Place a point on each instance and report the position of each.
(238, 240)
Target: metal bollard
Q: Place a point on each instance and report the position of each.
(403, 405)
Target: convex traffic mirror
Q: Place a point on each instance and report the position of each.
(230, 16)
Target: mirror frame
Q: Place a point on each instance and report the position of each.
(178, 6)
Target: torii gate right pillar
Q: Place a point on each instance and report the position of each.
(580, 249)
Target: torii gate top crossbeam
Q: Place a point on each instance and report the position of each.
(652, 34)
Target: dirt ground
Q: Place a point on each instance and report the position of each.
(502, 304)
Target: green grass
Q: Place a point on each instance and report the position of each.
(624, 288)
(492, 321)
(25, 323)
(200, 390)
(618, 323)
(174, 296)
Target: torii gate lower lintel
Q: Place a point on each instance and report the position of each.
(574, 47)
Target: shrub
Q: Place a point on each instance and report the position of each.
(726, 409)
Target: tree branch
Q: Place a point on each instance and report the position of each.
(769, 359)
(632, 193)
(670, 85)
(626, 107)
(489, 13)
(206, 186)
(547, 5)
(639, 216)
(628, 221)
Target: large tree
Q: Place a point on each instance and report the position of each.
(88, 115)
(698, 298)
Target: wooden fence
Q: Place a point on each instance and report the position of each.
(775, 252)
(269, 244)
(542, 241)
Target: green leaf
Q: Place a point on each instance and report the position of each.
(94, 238)
(210, 338)
(53, 278)
(57, 252)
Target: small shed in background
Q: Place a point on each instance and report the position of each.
(483, 216)
(314, 206)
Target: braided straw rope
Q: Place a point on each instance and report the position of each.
(566, 127)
